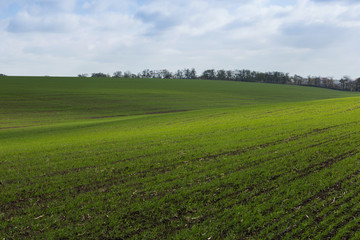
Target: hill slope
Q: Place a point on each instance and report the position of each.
(61, 99)
(104, 158)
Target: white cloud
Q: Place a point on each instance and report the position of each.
(24, 22)
(47, 6)
(49, 37)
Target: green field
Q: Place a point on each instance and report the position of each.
(177, 159)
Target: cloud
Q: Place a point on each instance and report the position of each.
(41, 7)
(339, 1)
(68, 37)
(8, 9)
(24, 22)
(157, 21)
(312, 36)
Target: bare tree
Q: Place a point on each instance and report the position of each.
(117, 74)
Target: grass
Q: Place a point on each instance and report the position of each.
(157, 159)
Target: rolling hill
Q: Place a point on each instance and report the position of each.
(180, 159)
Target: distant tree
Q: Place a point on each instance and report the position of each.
(179, 74)
(357, 84)
(117, 74)
(245, 75)
(145, 73)
(229, 75)
(351, 86)
(156, 74)
(345, 82)
(237, 75)
(2, 75)
(310, 81)
(221, 74)
(187, 73)
(342, 82)
(285, 78)
(277, 77)
(193, 73)
(264, 77)
(83, 75)
(327, 82)
(209, 74)
(128, 74)
(298, 80)
(166, 74)
(99, 75)
(317, 81)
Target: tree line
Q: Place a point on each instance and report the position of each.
(244, 75)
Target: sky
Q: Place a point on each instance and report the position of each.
(71, 37)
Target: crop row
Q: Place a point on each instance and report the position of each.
(272, 172)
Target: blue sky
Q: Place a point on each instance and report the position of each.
(69, 37)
